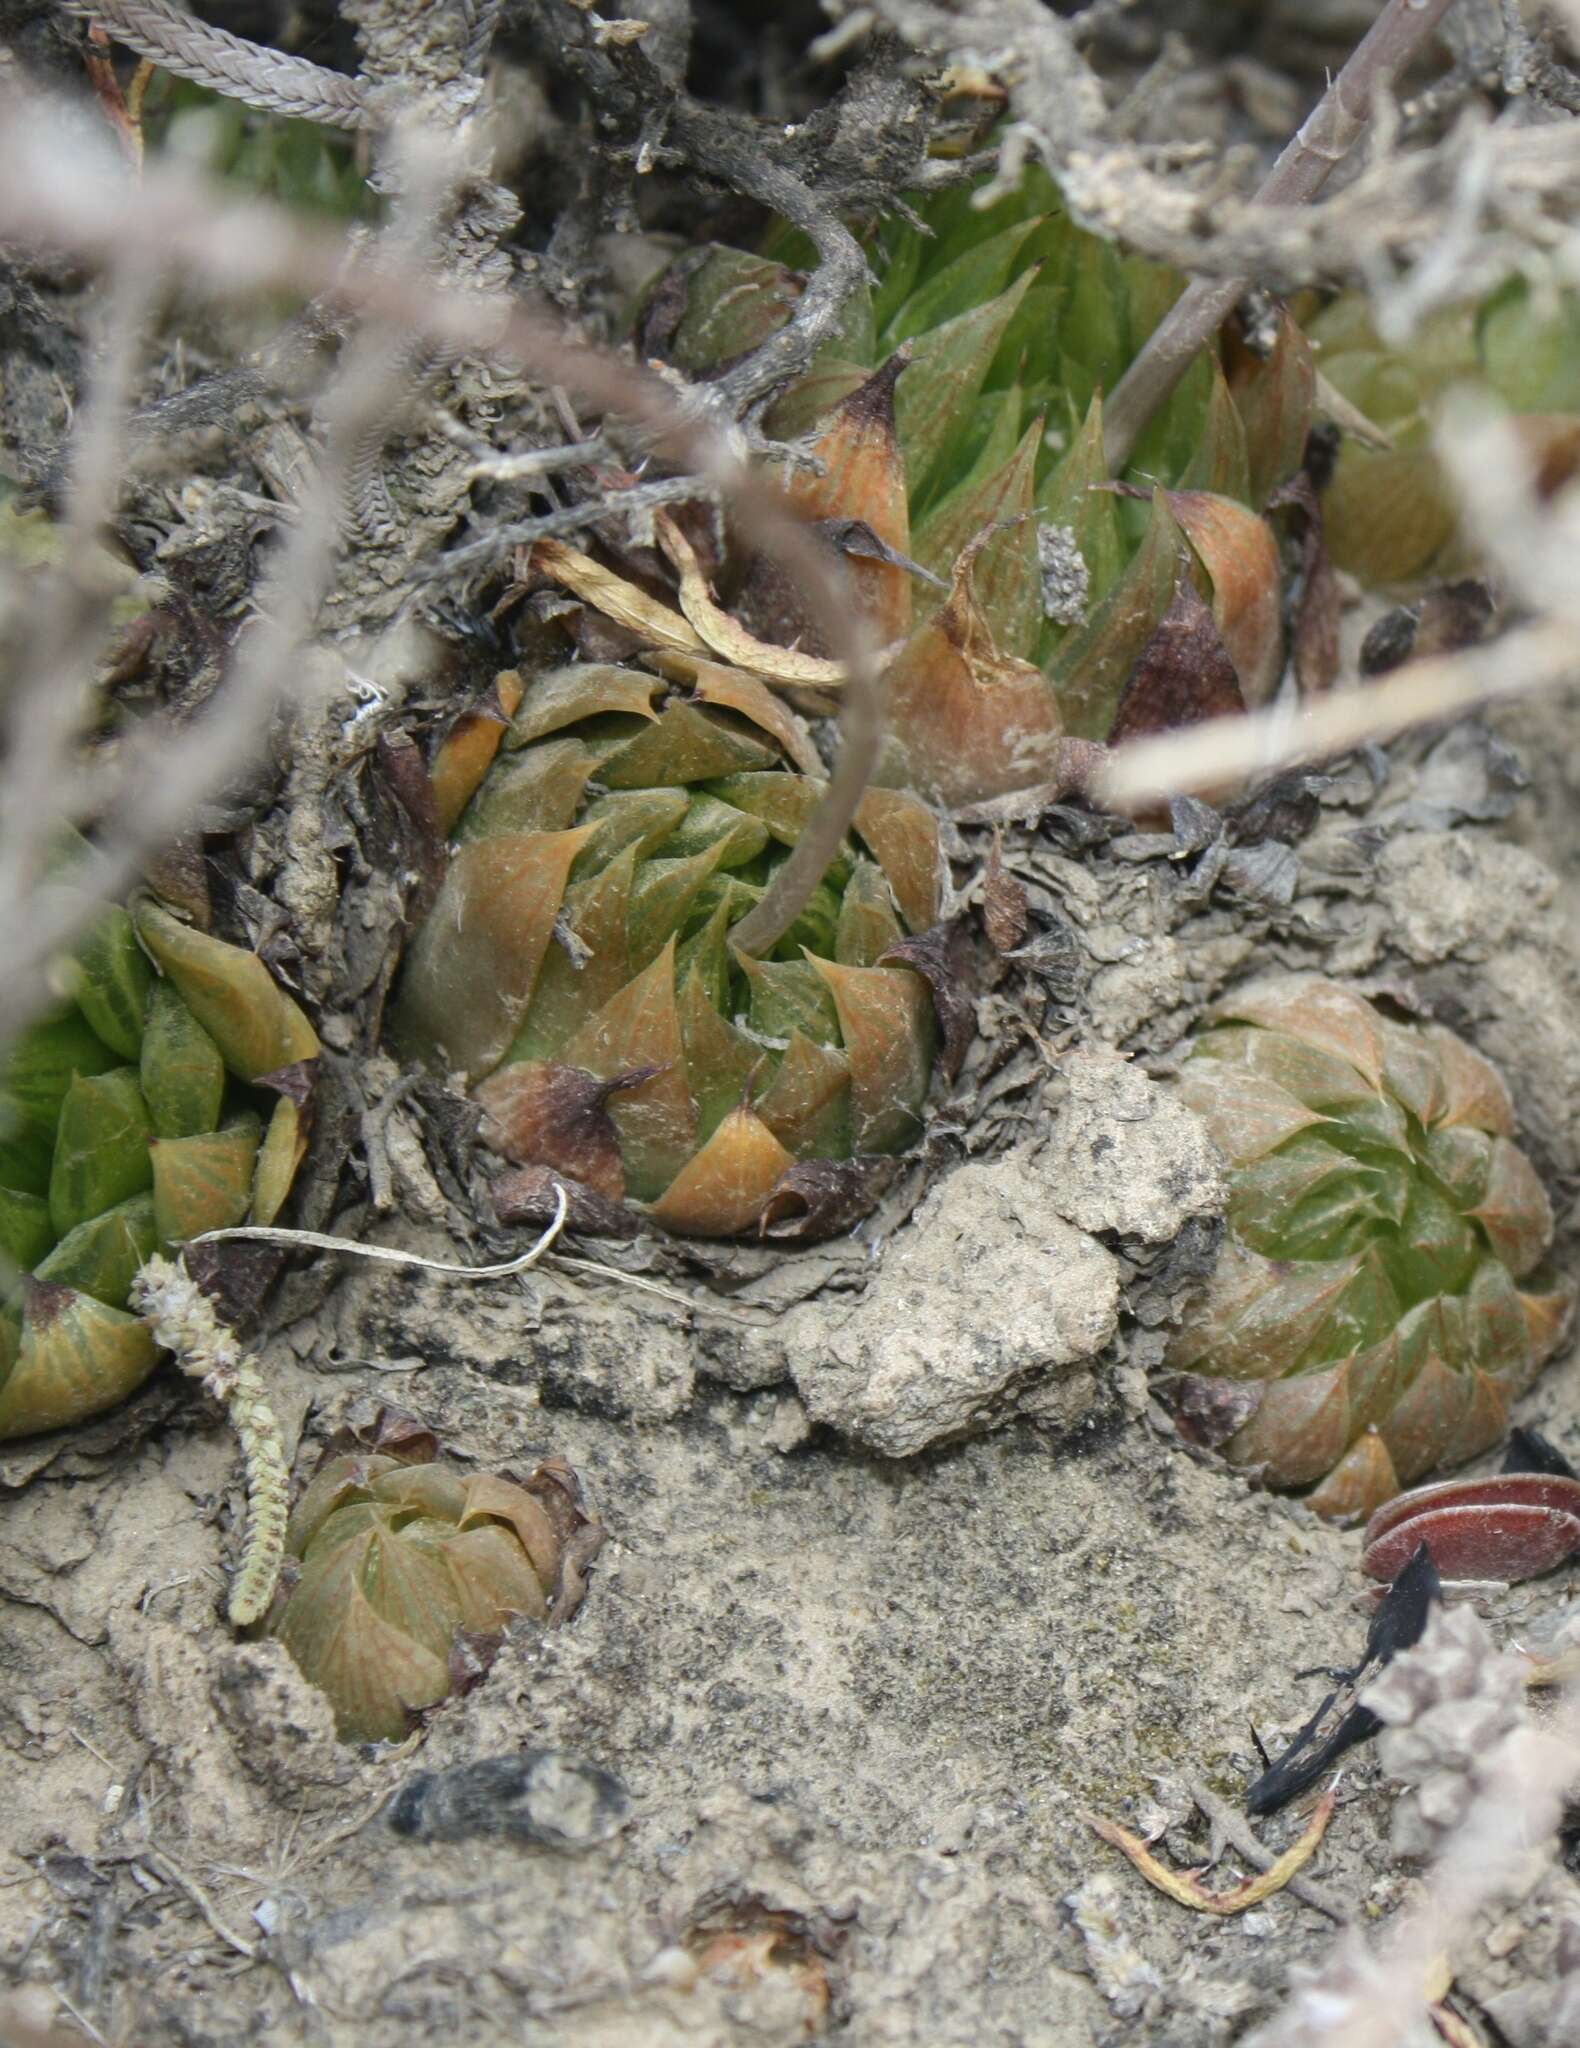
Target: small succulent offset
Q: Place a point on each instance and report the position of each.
(965, 393)
(165, 1098)
(401, 1556)
(1377, 1304)
(577, 969)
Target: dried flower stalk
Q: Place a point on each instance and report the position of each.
(185, 1324)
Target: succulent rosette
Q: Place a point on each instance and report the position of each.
(1392, 517)
(163, 1099)
(963, 393)
(1378, 1302)
(577, 967)
(399, 1557)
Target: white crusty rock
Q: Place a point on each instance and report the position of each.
(987, 1297)
(1125, 1154)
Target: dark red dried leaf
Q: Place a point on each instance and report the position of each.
(375, 1429)
(1184, 675)
(539, 1113)
(295, 1082)
(234, 1276)
(471, 1658)
(527, 1195)
(405, 776)
(581, 1535)
(1003, 902)
(1209, 1411)
(1316, 623)
(942, 956)
(819, 1198)
(399, 765)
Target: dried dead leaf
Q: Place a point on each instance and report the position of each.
(540, 1113)
(626, 603)
(942, 956)
(1003, 901)
(726, 635)
(1184, 675)
(818, 1198)
(1316, 623)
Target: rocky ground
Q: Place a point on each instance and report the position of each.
(817, 1753)
(907, 1574)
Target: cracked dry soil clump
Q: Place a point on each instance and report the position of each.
(904, 1574)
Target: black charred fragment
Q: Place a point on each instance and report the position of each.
(545, 1798)
(1530, 1451)
(1398, 1624)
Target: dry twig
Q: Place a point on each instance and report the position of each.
(1324, 139)
(1187, 1889)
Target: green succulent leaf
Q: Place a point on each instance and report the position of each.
(42, 1065)
(204, 1182)
(75, 1358)
(26, 1232)
(101, 1257)
(110, 982)
(182, 1072)
(1093, 663)
(946, 371)
(101, 1147)
(110, 1147)
(255, 1024)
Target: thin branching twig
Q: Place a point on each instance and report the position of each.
(1327, 135)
